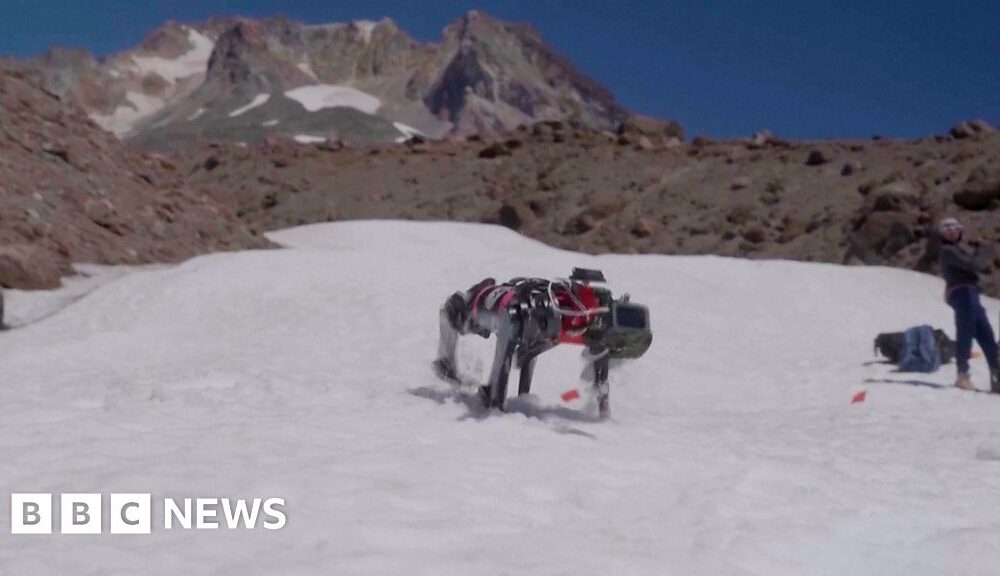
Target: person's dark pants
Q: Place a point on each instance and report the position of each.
(971, 322)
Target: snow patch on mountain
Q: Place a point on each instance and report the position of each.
(366, 27)
(259, 100)
(308, 139)
(319, 96)
(135, 108)
(194, 61)
(270, 123)
(306, 68)
(197, 114)
(408, 132)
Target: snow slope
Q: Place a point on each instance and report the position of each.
(192, 62)
(136, 107)
(258, 100)
(304, 374)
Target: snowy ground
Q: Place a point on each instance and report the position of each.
(304, 374)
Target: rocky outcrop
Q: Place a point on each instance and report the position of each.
(498, 76)
(71, 192)
(971, 129)
(981, 190)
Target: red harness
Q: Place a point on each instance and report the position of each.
(574, 327)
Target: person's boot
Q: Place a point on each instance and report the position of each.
(963, 382)
(995, 381)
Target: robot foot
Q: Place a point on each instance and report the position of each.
(445, 370)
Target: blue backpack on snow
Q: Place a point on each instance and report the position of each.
(920, 351)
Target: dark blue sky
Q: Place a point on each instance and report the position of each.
(803, 69)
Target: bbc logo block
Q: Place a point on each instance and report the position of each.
(31, 513)
(80, 514)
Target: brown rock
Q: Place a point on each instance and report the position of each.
(211, 163)
(881, 235)
(513, 215)
(970, 128)
(896, 196)
(29, 268)
(850, 168)
(644, 228)
(495, 150)
(816, 158)
(981, 190)
(740, 214)
(582, 224)
(755, 234)
(639, 125)
(741, 182)
(603, 205)
(100, 212)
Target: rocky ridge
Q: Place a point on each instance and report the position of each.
(241, 80)
(72, 192)
(639, 190)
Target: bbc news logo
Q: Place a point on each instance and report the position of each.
(133, 514)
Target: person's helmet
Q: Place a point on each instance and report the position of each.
(950, 225)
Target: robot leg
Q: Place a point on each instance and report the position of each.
(452, 323)
(494, 393)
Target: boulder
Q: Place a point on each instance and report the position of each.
(513, 215)
(897, 196)
(100, 212)
(850, 168)
(981, 190)
(881, 235)
(816, 158)
(644, 143)
(644, 228)
(581, 224)
(755, 234)
(639, 125)
(495, 150)
(970, 128)
(741, 182)
(29, 267)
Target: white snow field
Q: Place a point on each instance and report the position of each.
(319, 96)
(304, 374)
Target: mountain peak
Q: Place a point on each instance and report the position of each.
(485, 76)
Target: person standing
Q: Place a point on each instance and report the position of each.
(960, 267)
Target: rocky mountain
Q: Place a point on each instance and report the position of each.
(71, 192)
(241, 80)
(871, 202)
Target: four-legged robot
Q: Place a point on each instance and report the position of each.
(530, 316)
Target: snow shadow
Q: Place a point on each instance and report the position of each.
(908, 382)
(475, 410)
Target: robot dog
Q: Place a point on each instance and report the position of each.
(532, 315)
